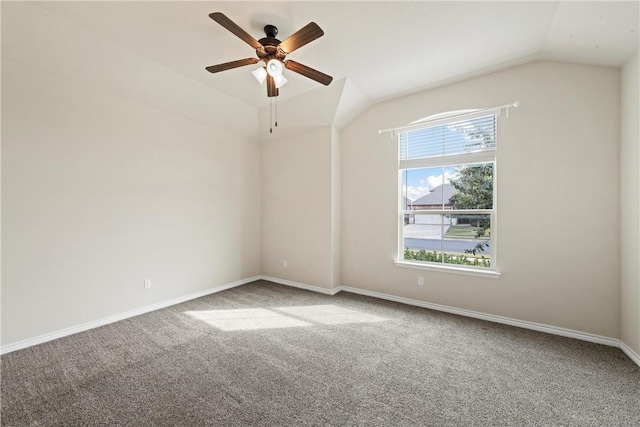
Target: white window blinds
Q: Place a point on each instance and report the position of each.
(460, 141)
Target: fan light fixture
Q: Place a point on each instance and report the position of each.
(274, 68)
(280, 81)
(260, 74)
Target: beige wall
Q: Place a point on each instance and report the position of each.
(630, 204)
(559, 151)
(100, 193)
(297, 203)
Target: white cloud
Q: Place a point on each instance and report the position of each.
(434, 180)
(414, 193)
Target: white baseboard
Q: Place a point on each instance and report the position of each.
(302, 285)
(632, 354)
(492, 318)
(120, 316)
(554, 330)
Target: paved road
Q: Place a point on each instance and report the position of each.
(450, 245)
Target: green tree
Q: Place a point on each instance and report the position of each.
(474, 190)
(474, 187)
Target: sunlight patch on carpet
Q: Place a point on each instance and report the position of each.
(246, 319)
(329, 314)
(281, 317)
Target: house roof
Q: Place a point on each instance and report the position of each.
(436, 196)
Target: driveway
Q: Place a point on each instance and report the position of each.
(423, 231)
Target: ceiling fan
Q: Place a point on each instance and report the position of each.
(272, 52)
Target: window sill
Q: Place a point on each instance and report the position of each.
(449, 269)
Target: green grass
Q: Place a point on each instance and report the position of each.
(464, 232)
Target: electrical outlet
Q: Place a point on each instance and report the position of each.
(420, 281)
(147, 283)
(285, 264)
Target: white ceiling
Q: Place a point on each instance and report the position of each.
(384, 49)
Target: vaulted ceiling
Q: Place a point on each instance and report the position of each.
(156, 52)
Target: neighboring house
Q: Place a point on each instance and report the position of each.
(438, 198)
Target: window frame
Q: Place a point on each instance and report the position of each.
(444, 161)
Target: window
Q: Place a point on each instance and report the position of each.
(447, 192)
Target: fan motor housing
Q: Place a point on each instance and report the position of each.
(270, 49)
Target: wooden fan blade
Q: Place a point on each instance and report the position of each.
(308, 72)
(232, 64)
(305, 35)
(227, 23)
(272, 90)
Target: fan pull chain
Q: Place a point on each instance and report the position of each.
(271, 121)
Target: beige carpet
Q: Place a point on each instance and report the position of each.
(268, 355)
